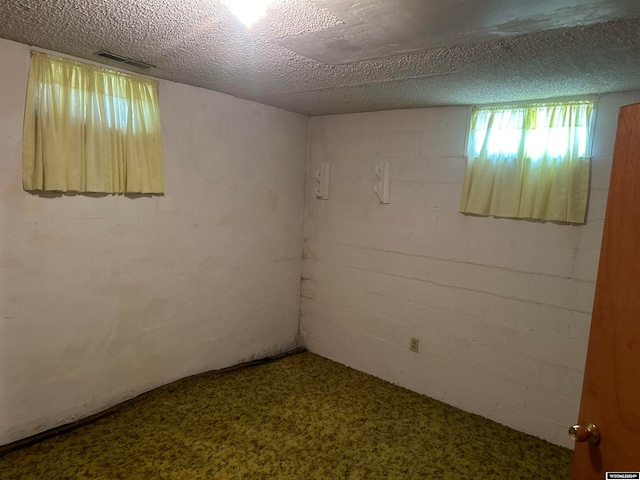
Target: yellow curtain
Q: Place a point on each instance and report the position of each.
(529, 162)
(90, 129)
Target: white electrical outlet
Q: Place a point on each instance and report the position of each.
(414, 346)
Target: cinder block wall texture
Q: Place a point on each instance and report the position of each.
(104, 298)
(501, 307)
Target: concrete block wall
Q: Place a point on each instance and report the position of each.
(104, 298)
(501, 307)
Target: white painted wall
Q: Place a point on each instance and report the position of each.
(104, 298)
(501, 307)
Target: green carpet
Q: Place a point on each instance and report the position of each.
(301, 417)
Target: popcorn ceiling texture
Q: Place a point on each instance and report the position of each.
(371, 56)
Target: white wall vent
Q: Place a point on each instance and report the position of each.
(127, 61)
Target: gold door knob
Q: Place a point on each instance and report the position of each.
(590, 434)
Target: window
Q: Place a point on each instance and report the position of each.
(529, 161)
(90, 129)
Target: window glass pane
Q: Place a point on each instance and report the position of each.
(537, 130)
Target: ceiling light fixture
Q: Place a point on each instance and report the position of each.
(248, 11)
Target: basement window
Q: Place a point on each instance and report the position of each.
(90, 129)
(529, 161)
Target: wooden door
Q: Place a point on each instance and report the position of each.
(611, 390)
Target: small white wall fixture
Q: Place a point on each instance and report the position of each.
(381, 186)
(322, 180)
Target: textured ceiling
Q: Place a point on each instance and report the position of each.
(319, 57)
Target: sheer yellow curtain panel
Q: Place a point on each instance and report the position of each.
(529, 161)
(90, 129)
